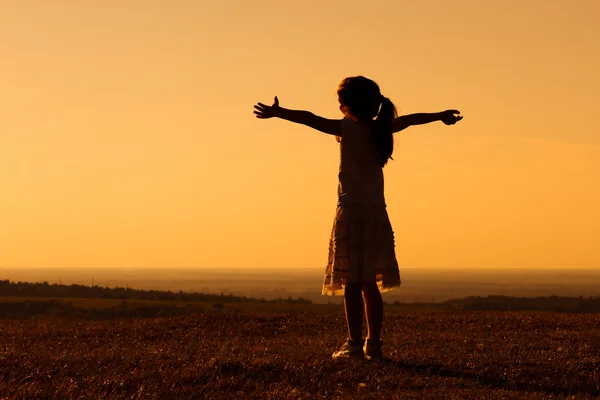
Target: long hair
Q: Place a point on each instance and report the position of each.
(364, 101)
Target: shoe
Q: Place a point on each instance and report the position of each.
(372, 349)
(350, 350)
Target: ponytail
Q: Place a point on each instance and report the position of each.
(382, 131)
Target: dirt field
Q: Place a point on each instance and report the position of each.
(253, 354)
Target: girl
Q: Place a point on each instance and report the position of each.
(362, 259)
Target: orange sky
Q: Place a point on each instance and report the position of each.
(127, 136)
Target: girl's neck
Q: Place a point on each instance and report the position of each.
(356, 119)
(352, 117)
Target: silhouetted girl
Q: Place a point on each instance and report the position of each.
(362, 259)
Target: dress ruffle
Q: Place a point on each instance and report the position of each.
(361, 249)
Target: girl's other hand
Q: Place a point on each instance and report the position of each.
(449, 117)
(263, 111)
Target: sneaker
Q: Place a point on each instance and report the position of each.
(349, 350)
(373, 349)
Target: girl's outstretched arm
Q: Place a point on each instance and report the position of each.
(448, 117)
(329, 126)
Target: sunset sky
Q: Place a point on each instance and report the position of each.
(127, 136)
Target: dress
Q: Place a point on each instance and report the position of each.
(361, 245)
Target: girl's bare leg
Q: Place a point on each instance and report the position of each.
(374, 308)
(353, 303)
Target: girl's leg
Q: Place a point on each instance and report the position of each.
(374, 307)
(353, 303)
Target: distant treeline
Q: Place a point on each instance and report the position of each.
(474, 303)
(44, 289)
(505, 303)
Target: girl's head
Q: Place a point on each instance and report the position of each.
(361, 98)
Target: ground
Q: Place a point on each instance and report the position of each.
(253, 354)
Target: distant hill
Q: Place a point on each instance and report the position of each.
(474, 303)
(44, 289)
(506, 303)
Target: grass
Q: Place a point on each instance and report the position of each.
(251, 354)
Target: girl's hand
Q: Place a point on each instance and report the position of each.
(449, 117)
(263, 111)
